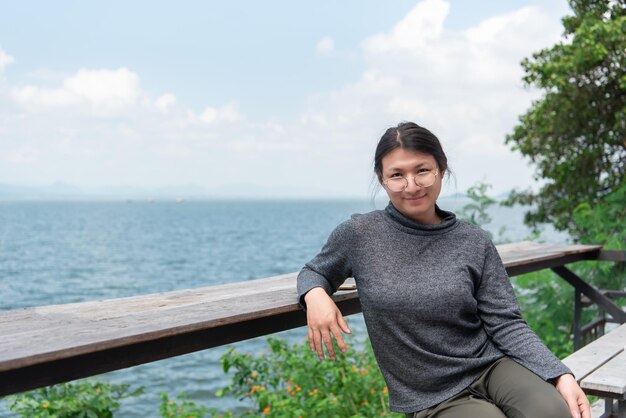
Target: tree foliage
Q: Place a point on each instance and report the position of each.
(575, 135)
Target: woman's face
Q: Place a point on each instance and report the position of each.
(415, 202)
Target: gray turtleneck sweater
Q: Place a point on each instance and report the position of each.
(436, 299)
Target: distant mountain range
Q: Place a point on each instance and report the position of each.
(65, 191)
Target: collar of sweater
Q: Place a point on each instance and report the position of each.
(403, 223)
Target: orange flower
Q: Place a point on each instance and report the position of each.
(267, 410)
(298, 388)
(385, 390)
(313, 392)
(372, 391)
(253, 374)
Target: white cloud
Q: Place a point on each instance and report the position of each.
(105, 92)
(325, 46)
(165, 101)
(226, 113)
(423, 24)
(5, 59)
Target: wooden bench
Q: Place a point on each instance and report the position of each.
(600, 369)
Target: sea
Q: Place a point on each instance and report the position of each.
(54, 252)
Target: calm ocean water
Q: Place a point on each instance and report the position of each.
(62, 252)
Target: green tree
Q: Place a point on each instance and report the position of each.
(475, 212)
(575, 135)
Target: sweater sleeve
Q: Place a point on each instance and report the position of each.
(330, 267)
(500, 313)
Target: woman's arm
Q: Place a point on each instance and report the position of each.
(317, 280)
(502, 319)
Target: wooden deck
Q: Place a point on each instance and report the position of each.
(40, 346)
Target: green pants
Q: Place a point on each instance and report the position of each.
(504, 389)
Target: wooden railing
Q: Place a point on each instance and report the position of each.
(45, 345)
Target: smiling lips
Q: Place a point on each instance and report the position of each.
(415, 197)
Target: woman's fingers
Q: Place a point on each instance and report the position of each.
(328, 342)
(342, 326)
(342, 323)
(311, 339)
(315, 341)
(318, 338)
(583, 404)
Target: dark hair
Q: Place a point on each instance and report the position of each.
(409, 136)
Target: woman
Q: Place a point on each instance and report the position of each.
(440, 311)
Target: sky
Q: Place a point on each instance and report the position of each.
(289, 98)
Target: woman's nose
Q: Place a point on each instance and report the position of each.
(411, 184)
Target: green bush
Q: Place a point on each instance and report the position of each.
(292, 382)
(83, 399)
(183, 408)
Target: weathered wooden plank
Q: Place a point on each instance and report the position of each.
(612, 255)
(65, 368)
(609, 380)
(525, 252)
(524, 257)
(103, 327)
(599, 352)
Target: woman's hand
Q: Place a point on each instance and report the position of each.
(324, 319)
(574, 396)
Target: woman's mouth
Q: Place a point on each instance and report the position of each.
(415, 198)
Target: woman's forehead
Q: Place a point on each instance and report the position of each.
(403, 159)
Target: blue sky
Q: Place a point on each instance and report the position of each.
(291, 96)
